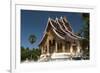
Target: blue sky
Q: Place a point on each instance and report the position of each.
(34, 22)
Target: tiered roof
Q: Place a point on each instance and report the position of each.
(62, 28)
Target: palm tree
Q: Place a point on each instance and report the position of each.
(32, 39)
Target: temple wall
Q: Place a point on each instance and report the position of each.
(60, 46)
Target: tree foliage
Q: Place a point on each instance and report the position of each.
(30, 54)
(84, 32)
(85, 29)
(32, 38)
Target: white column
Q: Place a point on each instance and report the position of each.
(78, 47)
(41, 50)
(48, 47)
(63, 47)
(71, 49)
(55, 46)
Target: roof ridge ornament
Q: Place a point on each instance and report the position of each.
(56, 18)
(49, 18)
(65, 18)
(61, 17)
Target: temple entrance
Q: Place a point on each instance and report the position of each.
(74, 49)
(67, 46)
(59, 47)
(51, 46)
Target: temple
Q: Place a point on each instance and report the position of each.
(59, 41)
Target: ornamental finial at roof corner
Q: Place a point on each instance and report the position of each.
(65, 18)
(56, 18)
(61, 17)
(49, 18)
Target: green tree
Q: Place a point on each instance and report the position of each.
(35, 53)
(23, 53)
(32, 39)
(85, 30)
(85, 33)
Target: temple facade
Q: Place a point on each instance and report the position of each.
(59, 41)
